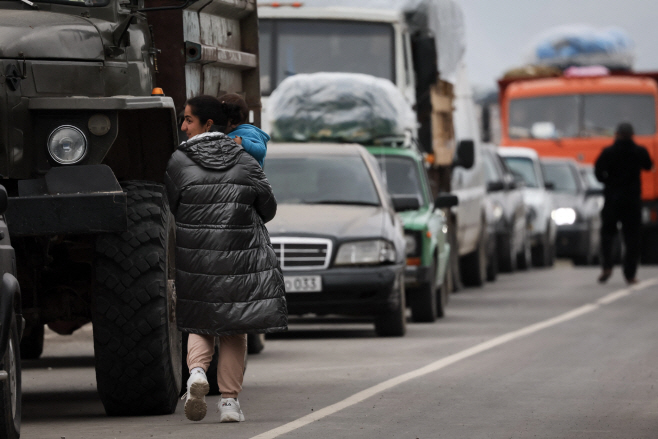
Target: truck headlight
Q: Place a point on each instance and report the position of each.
(411, 245)
(365, 253)
(564, 216)
(67, 145)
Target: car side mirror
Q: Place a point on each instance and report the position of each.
(465, 154)
(549, 185)
(594, 192)
(495, 186)
(4, 200)
(446, 200)
(403, 203)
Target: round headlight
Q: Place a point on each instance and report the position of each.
(67, 145)
(410, 244)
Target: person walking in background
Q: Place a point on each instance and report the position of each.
(619, 167)
(253, 139)
(228, 280)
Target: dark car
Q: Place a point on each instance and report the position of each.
(340, 243)
(576, 211)
(507, 212)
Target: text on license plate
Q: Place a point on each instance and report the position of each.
(303, 284)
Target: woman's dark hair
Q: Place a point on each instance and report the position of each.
(237, 108)
(206, 108)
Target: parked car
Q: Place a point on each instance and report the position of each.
(505, 197)
(428, 278)
(339, 240)
(576, 211)
(524, 163)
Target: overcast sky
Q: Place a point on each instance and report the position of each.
(498, 31)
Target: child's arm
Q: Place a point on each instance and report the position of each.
(255, 148)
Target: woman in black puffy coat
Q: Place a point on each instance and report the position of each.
(228, 280)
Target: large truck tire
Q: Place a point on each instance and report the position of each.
(136, 341)
(32, 342)
(10, 388)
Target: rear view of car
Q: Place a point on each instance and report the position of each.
(339, 242)
(576, 212)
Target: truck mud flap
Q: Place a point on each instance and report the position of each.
(68, 200)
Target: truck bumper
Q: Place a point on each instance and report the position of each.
(68, 200)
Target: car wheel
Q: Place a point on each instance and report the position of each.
(524, 258)
(136, 341)
(10, 387)
(541, 253)
(32, 342)
(506, 253)
(474, 265)
(443, 293)
(393, 321)
(424, 300)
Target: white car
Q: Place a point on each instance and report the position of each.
(524, 162)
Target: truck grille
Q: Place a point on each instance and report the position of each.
(302, 253)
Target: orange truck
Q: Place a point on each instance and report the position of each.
(574, 114)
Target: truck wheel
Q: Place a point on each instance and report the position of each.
(393, 322)
(492, 263)
(423, 299)
(32, 342)
(474, 265)
(136, 341)
(255, 343)
(10, 388)
(541, 253)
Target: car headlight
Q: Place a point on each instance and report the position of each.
(411, 244)
(365, 253)
(67, 145)
(497, 211)
(564, 216)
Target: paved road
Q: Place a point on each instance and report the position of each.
(543, 354)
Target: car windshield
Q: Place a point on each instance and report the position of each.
(590, 115)
(289, 47)
(590, 178)
(524, 168)
(562, 177)
(401, 176)
(602, 114)
(321, 180)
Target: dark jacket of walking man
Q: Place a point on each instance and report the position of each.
(619, 167)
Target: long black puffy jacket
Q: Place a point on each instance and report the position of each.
(228, 280)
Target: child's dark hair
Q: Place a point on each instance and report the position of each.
(206, 108)
(236, 107)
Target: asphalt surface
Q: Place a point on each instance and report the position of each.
(588, 370)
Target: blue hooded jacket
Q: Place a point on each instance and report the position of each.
(254, 141)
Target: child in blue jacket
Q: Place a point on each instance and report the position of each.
(253, 139)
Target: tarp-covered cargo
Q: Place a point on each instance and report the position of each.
(344, 107)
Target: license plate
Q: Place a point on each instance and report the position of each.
(303, 284)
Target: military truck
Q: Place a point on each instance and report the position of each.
(84, 141)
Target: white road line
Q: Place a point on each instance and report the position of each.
(452, 359)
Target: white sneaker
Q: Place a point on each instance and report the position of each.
(197, 389)
(229, 409)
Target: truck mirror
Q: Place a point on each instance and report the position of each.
(446, 200)
(465, 154)
(425, 61)
(4, 200)
(543, 130)
(403, 203)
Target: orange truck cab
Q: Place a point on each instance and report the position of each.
(576, 117)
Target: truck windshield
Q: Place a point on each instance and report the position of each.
(562, 177)
(289, 47)
(524, 168)
(321, 180)
(401, 177)
(590, 115)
